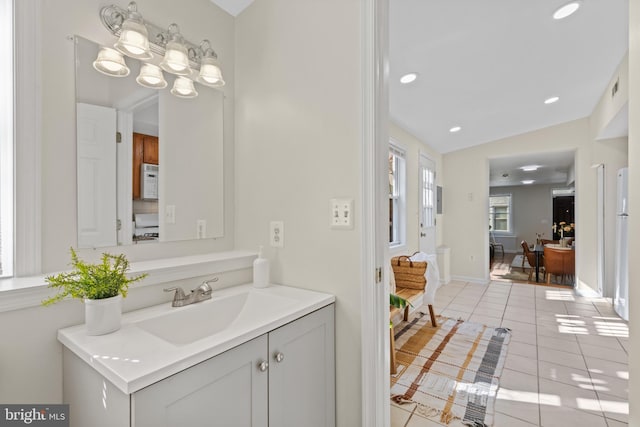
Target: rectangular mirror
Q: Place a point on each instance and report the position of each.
(149, 164)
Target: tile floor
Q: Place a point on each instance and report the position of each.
(567, 359)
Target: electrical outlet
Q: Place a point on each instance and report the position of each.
(276, 234)
(341, 213)
(170, 214)
(201, 229)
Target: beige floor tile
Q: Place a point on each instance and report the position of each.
(461, 307)
(515, 380)
(600, 341)
(618, 387)
(521, 364)
(607, 368)
(568, 343)
(527, 338)
(562, 358)
(523, 349)
(417, 421)
(520, 315)
(519, 327)
(570, 396)
(488, 311)
(614, 407)
(501, 420)
(455, 314)
(557, 416)
(518, 404)
(614, 423)
(611, 354)
(565, 374)
(485, 320)
(399, 416)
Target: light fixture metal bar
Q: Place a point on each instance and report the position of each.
(113, 16)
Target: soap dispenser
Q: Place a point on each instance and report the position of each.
(260, 271)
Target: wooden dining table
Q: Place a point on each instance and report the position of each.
(538, 248)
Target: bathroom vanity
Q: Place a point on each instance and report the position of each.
(246, 357)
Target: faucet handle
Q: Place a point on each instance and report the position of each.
(205, 288)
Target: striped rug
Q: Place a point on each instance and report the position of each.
(450, 373)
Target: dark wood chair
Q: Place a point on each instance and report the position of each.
(531, 259)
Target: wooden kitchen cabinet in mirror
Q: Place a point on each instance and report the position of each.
(145, 150)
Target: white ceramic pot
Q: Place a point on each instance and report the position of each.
(103, 316)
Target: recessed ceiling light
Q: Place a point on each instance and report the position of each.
(455, 129)
(530, 168)
(408, 78)
(551, 100)
(527, 181)
(566, 10)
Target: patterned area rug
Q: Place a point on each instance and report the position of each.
(451, 372)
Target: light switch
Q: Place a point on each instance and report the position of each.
(170, 214)
(341, 214)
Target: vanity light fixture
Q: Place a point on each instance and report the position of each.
(210, 73)
(528, 181)
(151, 76)
(134, 39)
(176, 57)
(111, 63)
(566, 10)
(183, 88)
(408, 78)
(141, 39)
(455, 129)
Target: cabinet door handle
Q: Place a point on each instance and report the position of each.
(279, 357)
(263, 366)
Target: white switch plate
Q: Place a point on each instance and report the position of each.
(170, 214)
(341, 214)
(276, 234)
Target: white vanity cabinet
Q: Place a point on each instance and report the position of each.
(285, 377)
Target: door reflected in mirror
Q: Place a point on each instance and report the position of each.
(149, 164)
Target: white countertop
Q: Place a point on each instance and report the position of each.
(132, 358)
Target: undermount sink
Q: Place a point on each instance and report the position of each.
(184, 325)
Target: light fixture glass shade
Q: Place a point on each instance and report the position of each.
(176, 58)
(134, 40)
(210, 73)
(183, 88)
(111, 63)
(151, 76)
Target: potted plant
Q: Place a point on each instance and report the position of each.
(102, 286)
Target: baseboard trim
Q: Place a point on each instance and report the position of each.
(471, 279)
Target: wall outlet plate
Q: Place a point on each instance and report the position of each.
(341, 214)
(276, 234)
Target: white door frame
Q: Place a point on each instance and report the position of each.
(375, 199)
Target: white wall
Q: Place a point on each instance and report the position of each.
(198, 19)
(634, 209)
(30, 356)
(532, 211)
(413, 147)
(298, 139)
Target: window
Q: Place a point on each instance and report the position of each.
(427, 192)
(6, 138)
(500, 213)
(397, 196)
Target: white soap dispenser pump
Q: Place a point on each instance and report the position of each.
(260, 271)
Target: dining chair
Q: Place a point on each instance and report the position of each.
(531, 259)
(558, 263)
(495, 244)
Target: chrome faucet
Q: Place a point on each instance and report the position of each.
(201, 293)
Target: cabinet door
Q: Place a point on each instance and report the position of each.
(151, 149)
(138, 148)
(227, 390)
(302, 372)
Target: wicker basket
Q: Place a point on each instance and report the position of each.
(409, 274)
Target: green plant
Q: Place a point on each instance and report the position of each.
(398, 302)
(93, 281)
